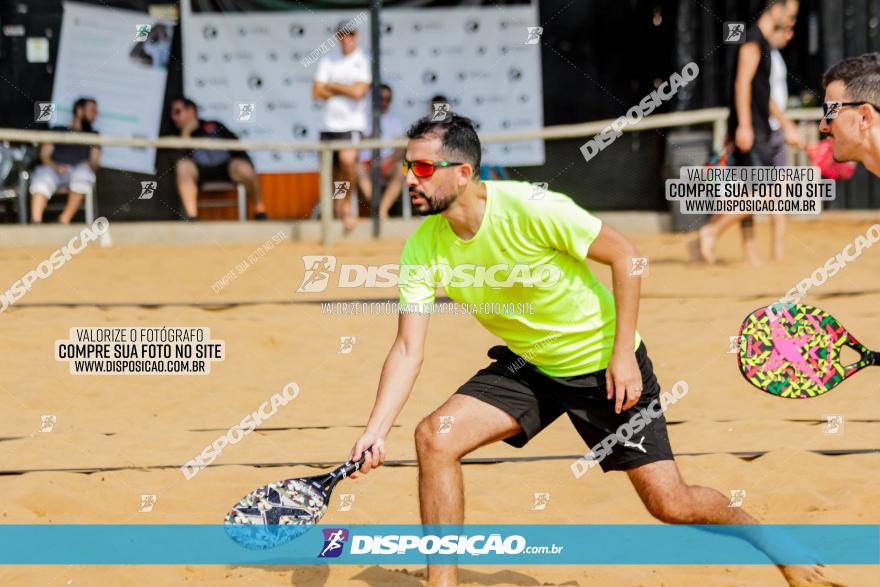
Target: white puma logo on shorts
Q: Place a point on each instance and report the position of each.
(639, 446)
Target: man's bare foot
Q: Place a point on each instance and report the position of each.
(707, 244)
(753, 259)
(810, 576)
(349, 222)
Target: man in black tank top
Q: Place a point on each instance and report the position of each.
(750, 93)
(750, 111)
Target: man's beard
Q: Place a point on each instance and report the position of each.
(85, 125)
(435, 205)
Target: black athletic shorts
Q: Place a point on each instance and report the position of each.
(353, 136)
(213, 173)
(349, 135)
(536, 400)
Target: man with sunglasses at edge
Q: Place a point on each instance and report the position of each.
(578, 353)
(851, 111)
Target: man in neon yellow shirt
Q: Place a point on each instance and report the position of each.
(506, 244)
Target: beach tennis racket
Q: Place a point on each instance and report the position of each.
(793, 350)
(279, 512)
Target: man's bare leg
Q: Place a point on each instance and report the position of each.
(187, 175)
(778, 223)
(750, 251)
(710, 232)
(441, 487)
(391, 194)
(241, 171)
(670, 500)
(74, 200)
(38, 206)
(365, 183)
(347, 172)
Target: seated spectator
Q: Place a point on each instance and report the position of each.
(389, 166)
(203, 165)
(70, 166)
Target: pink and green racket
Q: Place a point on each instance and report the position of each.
(793, 350)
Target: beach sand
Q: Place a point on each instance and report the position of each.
(144, 427)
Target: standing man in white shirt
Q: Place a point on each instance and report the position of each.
(343, 80)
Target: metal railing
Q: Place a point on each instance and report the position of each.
(717, 117)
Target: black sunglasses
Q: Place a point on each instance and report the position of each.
(830, 110)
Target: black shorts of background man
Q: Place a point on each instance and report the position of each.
(203, 165)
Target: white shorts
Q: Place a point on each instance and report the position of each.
(46, 181)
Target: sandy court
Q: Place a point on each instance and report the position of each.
(143, 428)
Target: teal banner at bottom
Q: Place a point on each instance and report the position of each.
(638, 544)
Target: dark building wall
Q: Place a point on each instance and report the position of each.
(602, 56)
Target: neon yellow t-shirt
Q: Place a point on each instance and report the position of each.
(540, 241)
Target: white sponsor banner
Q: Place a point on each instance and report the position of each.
(478, 57)
(98, 57)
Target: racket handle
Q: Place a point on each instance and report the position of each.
(343, 471)
(875, 358)
(350, 467)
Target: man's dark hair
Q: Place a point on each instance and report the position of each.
(439, 98)
(771, 3)
(345, 28)
(386, 87)
(457, 135)
(186, 102)
(860, 76)
(81, 103)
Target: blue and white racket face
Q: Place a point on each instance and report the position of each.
(276, 513)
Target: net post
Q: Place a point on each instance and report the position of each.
(325, 199)
(719, 130)
(376, 52)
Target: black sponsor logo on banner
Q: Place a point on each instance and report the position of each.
(212, 81)
(238, 56)
(490, 99)
(420, 26)
(454, 50)
(472, 74)
(254, 30)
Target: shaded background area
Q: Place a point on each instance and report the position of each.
(599, 58)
